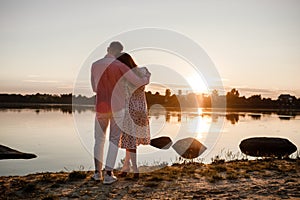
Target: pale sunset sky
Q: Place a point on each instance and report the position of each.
(254, 44)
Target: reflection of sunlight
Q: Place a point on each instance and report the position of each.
(199, 111)
(203, 125)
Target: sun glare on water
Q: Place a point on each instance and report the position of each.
(202, 128)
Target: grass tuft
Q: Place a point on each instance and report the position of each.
(151, 184)
(29, 188)
(46, 177)
(77, 175)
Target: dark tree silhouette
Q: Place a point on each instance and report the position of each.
(191, 100)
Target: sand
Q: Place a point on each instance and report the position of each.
(243, 179)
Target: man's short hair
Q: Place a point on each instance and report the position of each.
(115, 45)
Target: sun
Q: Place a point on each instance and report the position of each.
(196, 83)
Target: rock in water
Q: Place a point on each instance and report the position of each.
(189, 148)
(161, 142)
(8, 153)
(267, 147)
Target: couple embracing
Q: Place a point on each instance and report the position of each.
(120, 104)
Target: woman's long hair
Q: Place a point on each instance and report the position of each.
(127, 60)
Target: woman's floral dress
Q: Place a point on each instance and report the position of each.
(136, 129)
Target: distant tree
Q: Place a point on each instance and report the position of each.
(192, 100)
(233, 93)
(215, 93)
(173, 101)
(206, 101)
(168, 93)
(232, 98)
(215, 96)
(254, 101)
(255, 98)
(66, 98)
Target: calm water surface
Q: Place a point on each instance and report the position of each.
(63, 141)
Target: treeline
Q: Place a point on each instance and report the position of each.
(232, 100)
(283, 101)
(45, 99)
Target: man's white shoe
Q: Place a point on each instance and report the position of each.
(97, 176)
(109, 179)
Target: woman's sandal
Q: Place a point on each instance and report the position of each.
(123, 174)
(136, 176)
(124, 171)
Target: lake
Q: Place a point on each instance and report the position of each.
(63, 140)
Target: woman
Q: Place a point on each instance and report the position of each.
(136, 123)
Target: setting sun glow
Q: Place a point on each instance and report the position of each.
(178, 74)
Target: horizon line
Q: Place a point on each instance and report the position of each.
(153, 92)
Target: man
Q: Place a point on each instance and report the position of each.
(105, 79)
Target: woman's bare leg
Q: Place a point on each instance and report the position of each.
(126, 166)
(133, 160)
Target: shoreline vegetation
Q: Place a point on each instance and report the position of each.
(231, 100)
(266, 178)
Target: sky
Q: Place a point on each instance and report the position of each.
(254, 44)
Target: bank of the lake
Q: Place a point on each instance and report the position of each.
(243, 179)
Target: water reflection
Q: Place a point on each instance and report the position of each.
(255, 116)
(232, 116)
(287, 114)
(170, 116)
(179, 117)
(66, 109)
(203, 126)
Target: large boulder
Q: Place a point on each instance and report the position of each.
(8, 153)
(161, 142)
(189, 148)
(267, 147)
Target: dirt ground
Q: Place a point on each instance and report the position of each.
(243, 179)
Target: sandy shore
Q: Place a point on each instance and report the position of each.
(257, 179)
